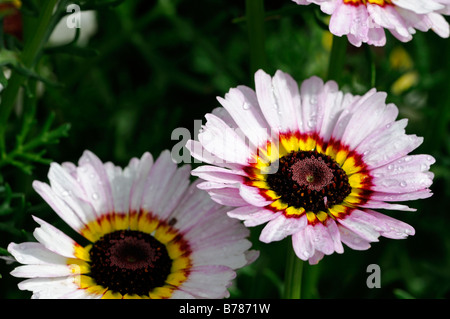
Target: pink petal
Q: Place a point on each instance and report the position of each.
(362, 224)
(253, 216)
(252, 196)
(391, 227)
(353, 240)
(302, 244)
(281, 227)
(242, 105)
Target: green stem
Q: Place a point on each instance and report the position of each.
(337, 58)
(293, 276)
(32, 47)
(255, 24)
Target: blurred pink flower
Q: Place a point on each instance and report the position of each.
(364, 21)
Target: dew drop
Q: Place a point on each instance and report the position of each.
(65, 193)
(403, 184)
(246, 106)
(94, 196)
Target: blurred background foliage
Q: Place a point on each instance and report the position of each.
(152, 66)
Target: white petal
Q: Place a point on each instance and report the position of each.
(353, 240)
(242, 105)
(47, 270)
(138, 171)
(388, 145)
(419, 6)
(34, 254)
(226, 255)
(252, 215)
(302, 244)
(403, 183)
(279, 100)
(164, 186)
(314, 260)
(218, 174)
(406, 164)
(49, 288)
(225, 142)
(75, 219)
(321, 239)
(374, 108)
(252, 196)
(281, 227)
(227, 196)
(334, 102)
(179, 294)
(391, 227)
(312, 105)
(333, 230)
(53, 239)
(196, 204)
(120, 187)
(362, 224)
(94, 180)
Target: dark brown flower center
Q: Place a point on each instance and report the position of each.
(309, 180)
(130, 262)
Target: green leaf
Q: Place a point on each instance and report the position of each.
(7, 195)
(3, 79)
(402, 294)
(4, 252)
(8, 57)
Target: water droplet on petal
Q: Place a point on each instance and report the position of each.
(246, 106)
(403, 184)
(65, 193)
(94, 196)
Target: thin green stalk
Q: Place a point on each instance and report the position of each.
(255, 24)
(337, 58)
(293, 276)
(32, 48)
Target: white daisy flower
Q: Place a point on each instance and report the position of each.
(311, 162)
(150, 234)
